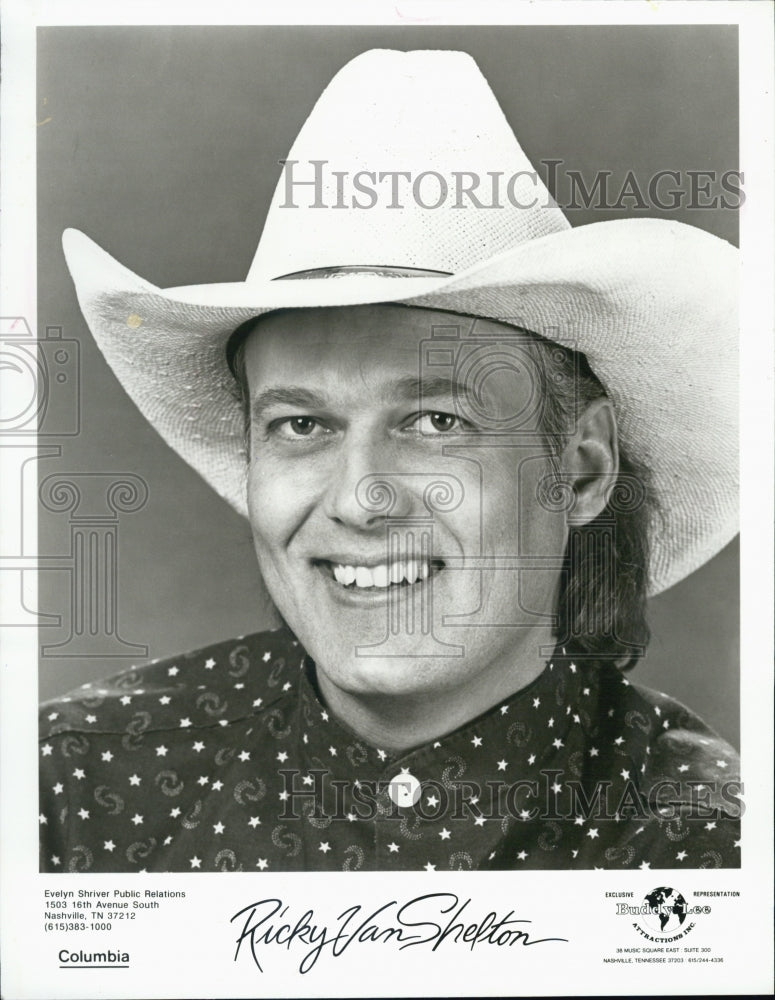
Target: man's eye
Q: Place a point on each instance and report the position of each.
(300, 427)
(437, 423)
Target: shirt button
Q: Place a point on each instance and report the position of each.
(405, 789)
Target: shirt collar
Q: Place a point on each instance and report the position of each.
(528, 731)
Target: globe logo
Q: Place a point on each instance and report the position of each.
(666, 910)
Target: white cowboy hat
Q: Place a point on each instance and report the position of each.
(652, 303)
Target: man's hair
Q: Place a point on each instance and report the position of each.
(601, 611)
(601, 608)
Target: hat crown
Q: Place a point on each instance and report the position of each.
(381, 171)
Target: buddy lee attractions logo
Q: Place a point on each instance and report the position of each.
(662, 916)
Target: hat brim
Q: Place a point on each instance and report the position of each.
(652, 304)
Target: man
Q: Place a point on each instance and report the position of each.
(474, 440)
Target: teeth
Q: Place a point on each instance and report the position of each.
(382, 575)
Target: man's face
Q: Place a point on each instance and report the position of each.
(393, 492)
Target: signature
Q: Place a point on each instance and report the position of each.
(429, 920)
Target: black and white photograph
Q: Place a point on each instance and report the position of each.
(375, 521)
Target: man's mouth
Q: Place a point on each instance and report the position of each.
(398, 573)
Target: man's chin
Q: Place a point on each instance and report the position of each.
(401, 667)
(378, 677)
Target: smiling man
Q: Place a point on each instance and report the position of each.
(469, 444)
(346, 439)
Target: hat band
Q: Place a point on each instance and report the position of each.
(383, 270)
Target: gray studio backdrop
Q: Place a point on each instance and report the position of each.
(162, 144)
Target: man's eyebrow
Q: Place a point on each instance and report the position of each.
(286, 395)
(409, 387)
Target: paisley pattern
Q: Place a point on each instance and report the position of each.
(226, 760)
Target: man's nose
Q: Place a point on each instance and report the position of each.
(365, 485)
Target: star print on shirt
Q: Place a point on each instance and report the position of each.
(155, 781)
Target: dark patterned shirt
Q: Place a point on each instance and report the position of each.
(227, 760)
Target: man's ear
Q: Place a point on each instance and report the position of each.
(590, 461)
